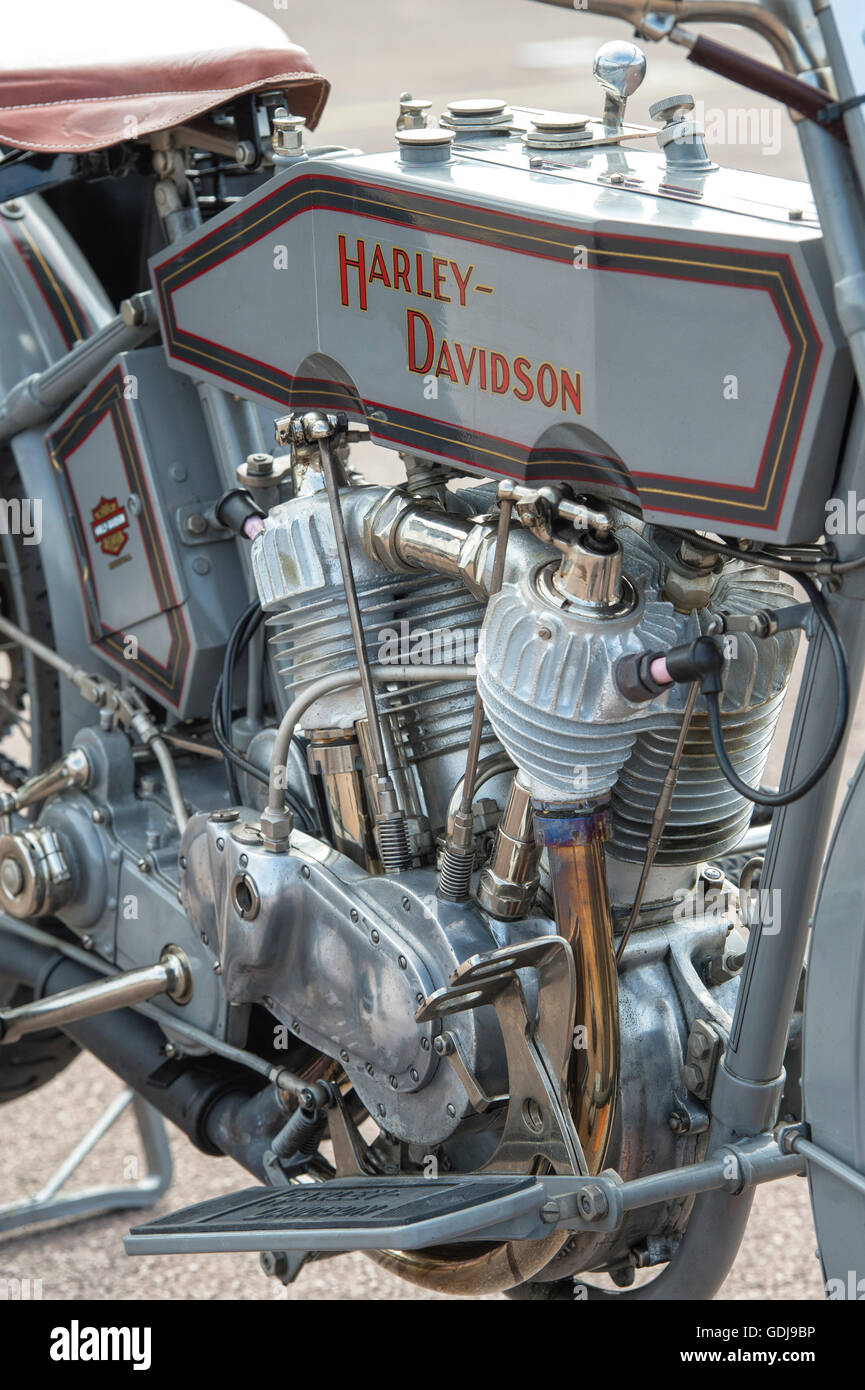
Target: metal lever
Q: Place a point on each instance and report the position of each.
(171, 976)
(537, 1120)
(619, 67)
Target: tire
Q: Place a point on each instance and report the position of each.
(37, 1059)
(32, 1061)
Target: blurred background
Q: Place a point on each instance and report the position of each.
(528, 54)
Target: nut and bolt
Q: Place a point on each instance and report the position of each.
(274, 1263)
(693, 1078)
(679, 1121)
(592, 1202)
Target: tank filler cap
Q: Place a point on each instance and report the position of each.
(478, 116)
(432, 145)
(558, 131)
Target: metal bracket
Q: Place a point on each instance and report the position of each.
(537, 1047)
(350, 1154)
(49, 1204)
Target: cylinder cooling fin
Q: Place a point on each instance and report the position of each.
(546, 673)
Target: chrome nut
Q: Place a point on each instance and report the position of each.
(592, 1202)
(380, 526)
(276, 828)
(503, 898)
(475, 553)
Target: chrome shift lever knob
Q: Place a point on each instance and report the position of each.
(619, 67)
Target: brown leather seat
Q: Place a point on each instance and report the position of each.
(83, 74)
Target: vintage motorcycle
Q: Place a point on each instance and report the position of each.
(406, 843)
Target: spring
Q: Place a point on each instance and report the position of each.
(302, 1134)
(393, 846)
(455, 874)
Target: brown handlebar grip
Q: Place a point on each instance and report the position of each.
(768, 81)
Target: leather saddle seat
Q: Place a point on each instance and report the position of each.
(78, 75)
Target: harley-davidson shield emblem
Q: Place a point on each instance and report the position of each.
(110, 525)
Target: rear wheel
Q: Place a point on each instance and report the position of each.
(29, 741)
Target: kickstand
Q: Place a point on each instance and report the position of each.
(47, 1205)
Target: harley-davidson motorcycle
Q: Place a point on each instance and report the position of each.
(407, 843)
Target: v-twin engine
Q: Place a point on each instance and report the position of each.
(572, 761)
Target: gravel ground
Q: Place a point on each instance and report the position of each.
(529, 55)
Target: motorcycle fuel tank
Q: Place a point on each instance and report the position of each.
(591, 316)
